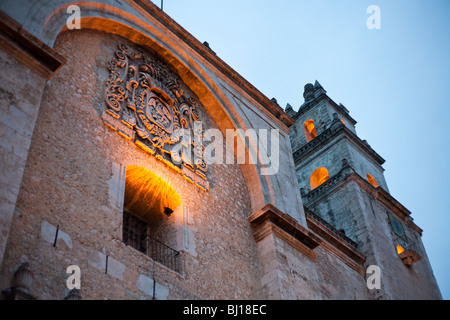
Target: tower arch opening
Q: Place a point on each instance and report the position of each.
(310, 130)
(372, 181)
(318, 177)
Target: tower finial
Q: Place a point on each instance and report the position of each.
(308, 94)
(318, 89)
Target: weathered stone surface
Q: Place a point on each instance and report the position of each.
(353, 206)
(19, 105)
(69, 182)
(62, 191)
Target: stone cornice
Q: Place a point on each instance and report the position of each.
(267, 228)
(397, 208)
(334, 232)
(312, 103)
(271, 221)
(214, 60)
(344, 177)
(270, 214)
(28, 49)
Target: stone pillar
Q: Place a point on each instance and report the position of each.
(30, 63)
(22, 284)
(308, 93)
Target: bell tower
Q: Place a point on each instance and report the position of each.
(342, 182)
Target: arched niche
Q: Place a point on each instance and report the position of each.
(309, 130)
(318, 177)
(372, 180)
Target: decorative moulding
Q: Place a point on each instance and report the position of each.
(28, 49)
(148, 104)
(270, 220)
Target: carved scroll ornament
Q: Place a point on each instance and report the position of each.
(147, 104)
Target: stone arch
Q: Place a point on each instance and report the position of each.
(318, 177)
(107, 18)
(309, 130)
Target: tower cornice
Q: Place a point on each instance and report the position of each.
(308, 105)
(346, 175)
(335, 131)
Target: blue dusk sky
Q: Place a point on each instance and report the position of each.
(395, 81)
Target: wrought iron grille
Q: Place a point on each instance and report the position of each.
(163, 254)
(135, 234)
(406, 243)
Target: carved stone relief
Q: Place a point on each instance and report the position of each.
(146, 103)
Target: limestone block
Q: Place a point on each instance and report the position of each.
(97, 260)
(50, 233)
(145, 284)
(115, 268)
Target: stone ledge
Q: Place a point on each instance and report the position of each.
(28, 49)
(378, 193)
(409, 257)
(270, 219)
(336, 131)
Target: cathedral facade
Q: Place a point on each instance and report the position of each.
(136, 164)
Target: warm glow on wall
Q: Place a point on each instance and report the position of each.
(372, 181)
(400, 249)
(147, 194)
(310, 130)
(318, 177)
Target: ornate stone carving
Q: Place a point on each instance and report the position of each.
(146, 103)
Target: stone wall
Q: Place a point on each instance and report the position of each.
(364, 219)
(20, 96)
(62, 197)
(324, 278)
(66, 187)
(218, 86)
(364, 165)
(297, 263)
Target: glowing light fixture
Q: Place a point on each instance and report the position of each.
(168, 211)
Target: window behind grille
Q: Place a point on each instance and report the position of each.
(134, 232)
